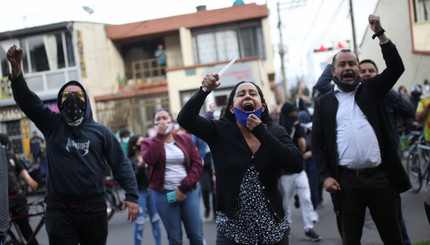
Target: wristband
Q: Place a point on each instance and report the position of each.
(378, 33)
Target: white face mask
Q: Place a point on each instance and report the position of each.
(168, 130)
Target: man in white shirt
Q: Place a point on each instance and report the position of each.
(353, 147)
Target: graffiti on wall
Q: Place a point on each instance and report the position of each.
(5, 89)
(81, 55)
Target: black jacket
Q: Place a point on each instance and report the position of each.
(75, 167)
(369, 97)
(232, 155)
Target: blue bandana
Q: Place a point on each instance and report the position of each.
(242, 116)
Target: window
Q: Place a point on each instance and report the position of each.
(225, 42)
(47, 52)
(13, 129)
(422, 10)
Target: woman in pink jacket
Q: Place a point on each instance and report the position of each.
(174, 169)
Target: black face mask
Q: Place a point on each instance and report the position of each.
(348, 87)
(73, 110)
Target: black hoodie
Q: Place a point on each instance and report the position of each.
(75, 170)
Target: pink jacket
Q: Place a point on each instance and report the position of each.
(155, 156)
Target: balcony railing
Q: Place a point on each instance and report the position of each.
(149, 70)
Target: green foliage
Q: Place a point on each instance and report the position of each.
(121, 80)
(422, 243)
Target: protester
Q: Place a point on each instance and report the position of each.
(353, 146)
(124, 137)
(76, 146)
(291, 183)
(210, 113)
(174, 167)
(42, 162)
(35, 146)
(249, 153)
(4, 201)
(311, 171)
(206, 180)
(397, 107)
(146, 200)
(416, 93)
(17, 201)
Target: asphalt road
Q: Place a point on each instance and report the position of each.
(121, 232)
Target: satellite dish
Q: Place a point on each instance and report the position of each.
(88, 9)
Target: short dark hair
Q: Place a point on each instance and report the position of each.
(4, 139)
(371, 62)
(343, 51)
(265, 117)
(123, 133)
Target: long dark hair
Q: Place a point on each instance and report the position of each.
(132, 142)
(265, 117)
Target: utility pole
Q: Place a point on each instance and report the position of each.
(281, 55)
(290, 5)
(351, 12)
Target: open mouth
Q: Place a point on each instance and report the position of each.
(348, 76)
(248, 107)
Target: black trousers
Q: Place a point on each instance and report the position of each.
(222, 240)
(206, 185)
(67, 226)
(373, 191)
(427, 209)
(18, 207)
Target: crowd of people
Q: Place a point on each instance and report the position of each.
(245, 166)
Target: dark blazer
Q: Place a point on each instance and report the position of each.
(369, 97)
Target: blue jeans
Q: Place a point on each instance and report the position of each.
(146, 201)
(186, 212)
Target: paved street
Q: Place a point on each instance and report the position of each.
(121, 232)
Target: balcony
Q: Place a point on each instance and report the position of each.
(149, 70)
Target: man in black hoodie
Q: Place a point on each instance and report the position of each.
(75, 148)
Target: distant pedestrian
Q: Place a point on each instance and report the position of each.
(160, 54)
(35, 146)
(17, 201)
(146, 200)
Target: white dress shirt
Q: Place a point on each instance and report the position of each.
(357, 145)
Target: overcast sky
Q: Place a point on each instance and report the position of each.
(317, 22)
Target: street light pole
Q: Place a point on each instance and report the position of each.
(351, 12)
(281, 55)
(291, 4)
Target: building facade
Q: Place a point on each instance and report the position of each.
(53, 55)
(124, 79)
(195, 44)
(408, 24)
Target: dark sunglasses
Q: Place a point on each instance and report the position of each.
(67, 94)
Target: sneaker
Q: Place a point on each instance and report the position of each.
(311, 235)
(207, 213)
